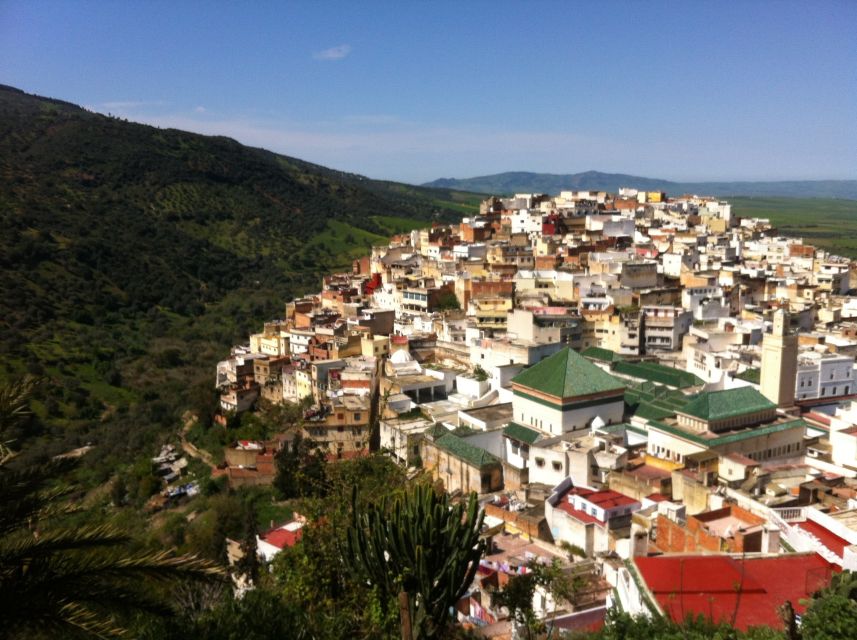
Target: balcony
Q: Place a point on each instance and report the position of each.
(652, 321)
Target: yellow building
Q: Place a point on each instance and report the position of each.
(303, 383)
(341, 426)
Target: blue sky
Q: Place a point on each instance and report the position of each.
(416, 91)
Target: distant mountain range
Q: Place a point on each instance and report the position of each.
(552, 183)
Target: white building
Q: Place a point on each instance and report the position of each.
(566, 393)
(588, 518)
(824, 375)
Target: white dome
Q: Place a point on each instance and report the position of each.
(401, 357)
(597, 422)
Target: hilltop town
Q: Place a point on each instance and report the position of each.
(660, 387)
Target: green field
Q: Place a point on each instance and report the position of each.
(341, 242)
(823, 222)
(394, 225)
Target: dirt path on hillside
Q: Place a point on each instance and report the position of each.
(190, 448)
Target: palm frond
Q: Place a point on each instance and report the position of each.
(63, 581)
(42, 586)
(15, 409)
(27, 546)
(26, 494)
(89, 623)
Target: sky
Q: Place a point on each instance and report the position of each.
(414, 91)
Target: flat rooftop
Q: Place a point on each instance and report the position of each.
(846, 518)
(352, 403)
(726, 526)
(491, 413)
(517, 551)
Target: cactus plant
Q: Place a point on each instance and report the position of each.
(420, 546)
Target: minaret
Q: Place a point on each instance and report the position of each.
(779, 362)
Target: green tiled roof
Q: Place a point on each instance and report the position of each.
(521, 433)
(717, 405)
(654, 401)
(604, 355)
(437, 431)
(651, 412)
(621, 428)
(655, 372)
(465, 451)
(750, 375)
(729, 438)
(567, 374)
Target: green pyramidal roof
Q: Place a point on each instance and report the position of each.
(567, 374)
(465, 451)
(716, 405)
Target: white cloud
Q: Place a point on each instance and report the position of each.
(200, 109)
(334, 53)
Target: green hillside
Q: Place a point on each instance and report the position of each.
(132, 257)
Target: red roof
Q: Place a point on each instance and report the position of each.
(828, 539)
(657, 497)
(606, 499)
(282, 538)
(708, 585)
(577, 514)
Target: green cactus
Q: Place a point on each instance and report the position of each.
(419, 545)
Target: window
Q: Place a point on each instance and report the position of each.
(540, 462)
(340, 429)
(340, 416)
(557, 466)
(356, 416)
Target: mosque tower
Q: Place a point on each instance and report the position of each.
(779, 362)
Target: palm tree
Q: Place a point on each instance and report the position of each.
(55, 579)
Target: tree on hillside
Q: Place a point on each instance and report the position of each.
(419, 548)
(62, 580)
(300, 469)
(248, 564)
(447, 301)
(832, 613)
(561, 583)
